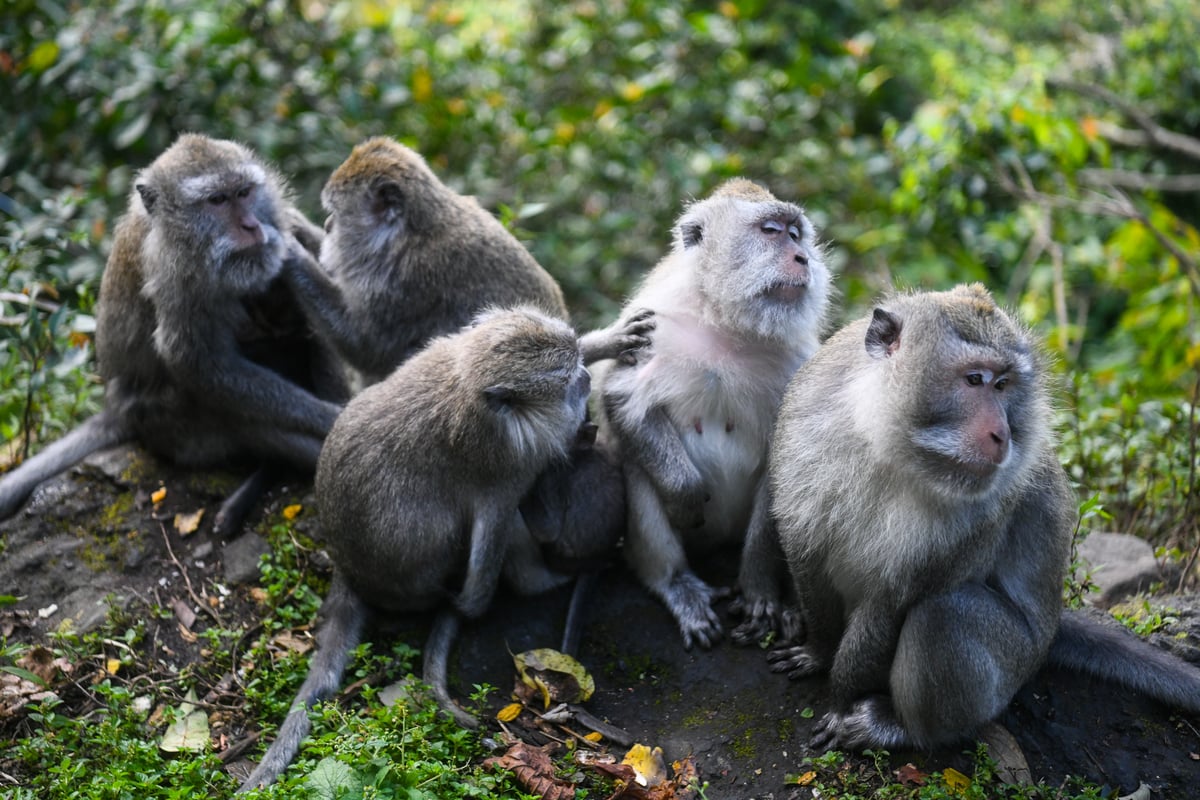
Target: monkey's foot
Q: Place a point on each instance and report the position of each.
(800, 661)
(870, 722)
(690, 600)
(761, 617)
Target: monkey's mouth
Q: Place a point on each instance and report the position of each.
(786, 292)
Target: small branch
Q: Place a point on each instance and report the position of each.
(1139, 181)
(26, 300)
(1158, 135)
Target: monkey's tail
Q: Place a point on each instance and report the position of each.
(437, 655)
(1109, 652)
(105, 429)
(345, 615)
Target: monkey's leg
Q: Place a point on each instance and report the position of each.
(960, 657)
(656, 554)
(344, 616)
(524, 568)
(101, 431)
(437, 655)
(760, 579)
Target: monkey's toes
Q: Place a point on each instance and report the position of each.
(825, 733)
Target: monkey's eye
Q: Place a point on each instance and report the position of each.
(1001, 382)
(771, 227)
(974, 379)
(218, 199)
(794, 232)
(243, 193)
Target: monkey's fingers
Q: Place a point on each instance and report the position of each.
(798, 662)
(760, 619)
(825, 732)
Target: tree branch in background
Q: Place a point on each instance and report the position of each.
(1139, 181)
(1155, 133)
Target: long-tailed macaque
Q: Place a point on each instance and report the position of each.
(202, 356)
(419, 487)
(927, 524)
(405, 258)
(738, 304)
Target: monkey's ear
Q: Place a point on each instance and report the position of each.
(388, 201)
(499, 397)
(691, 233)
(149, 195)
(883, 334)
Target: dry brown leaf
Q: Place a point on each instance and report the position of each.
(188, 523)
(42, 662)
(532, 768)
(909, 775)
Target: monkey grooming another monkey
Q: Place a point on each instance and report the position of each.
(191, 368)
(405, 258)
(739, 304)
(418, 488)
(927, 524)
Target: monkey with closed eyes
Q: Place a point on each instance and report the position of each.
(204, 358)
(738, 306)
(927, 524)
(419, 487)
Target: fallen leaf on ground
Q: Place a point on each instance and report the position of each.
(158, 495)
(681, 786)
(188, 523)
(292, 511)
(509, 712)
(557, 676)
(532, 768)
(909, 775)
(189, 731)
(647, 763)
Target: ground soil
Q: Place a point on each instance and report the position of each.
(94, 533)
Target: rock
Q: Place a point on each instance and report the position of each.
(1121, 565)
(241, 557)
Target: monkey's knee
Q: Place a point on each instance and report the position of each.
(945, 684)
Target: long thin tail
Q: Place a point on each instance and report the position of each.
(1108, 652)
(345, 615)
(581, 595)
(437, 654)
(103, 430)
(237, 507)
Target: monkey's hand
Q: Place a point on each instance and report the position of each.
(762, 617)
(623, 341)
(800, 661)
(690, 600)
(870, 722)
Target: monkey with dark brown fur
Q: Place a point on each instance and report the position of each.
(739, 304)
(191, 357)
(418, 489)
(927, 523)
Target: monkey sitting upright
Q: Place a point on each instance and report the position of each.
(418, 489)
(739, 304)
(927, 524)
(193, 332)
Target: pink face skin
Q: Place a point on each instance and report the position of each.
(236, 212)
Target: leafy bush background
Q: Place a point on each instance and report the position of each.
(933, 142)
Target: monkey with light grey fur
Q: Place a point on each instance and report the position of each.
(418, 489)
(927, 524)
(739, 304)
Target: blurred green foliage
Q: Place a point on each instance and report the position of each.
(933, 143)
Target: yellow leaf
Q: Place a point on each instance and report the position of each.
(43, 56)
(802, 780)
(632, 92)
(457, 106)
(112, 665)
(422, 85)
(558, 676)
(159, 495)
(955, 780)
(292, 511)
(728, 9)
(564, 132)
(648, 765)
(188, 523)
(509, 712)
(593, 736)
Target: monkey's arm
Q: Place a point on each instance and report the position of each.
(761, 579)
(623, 339)
(202, 355)
(325, 305)
(307, 234)
(524, 567)
(655, 445)
(489, 543)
